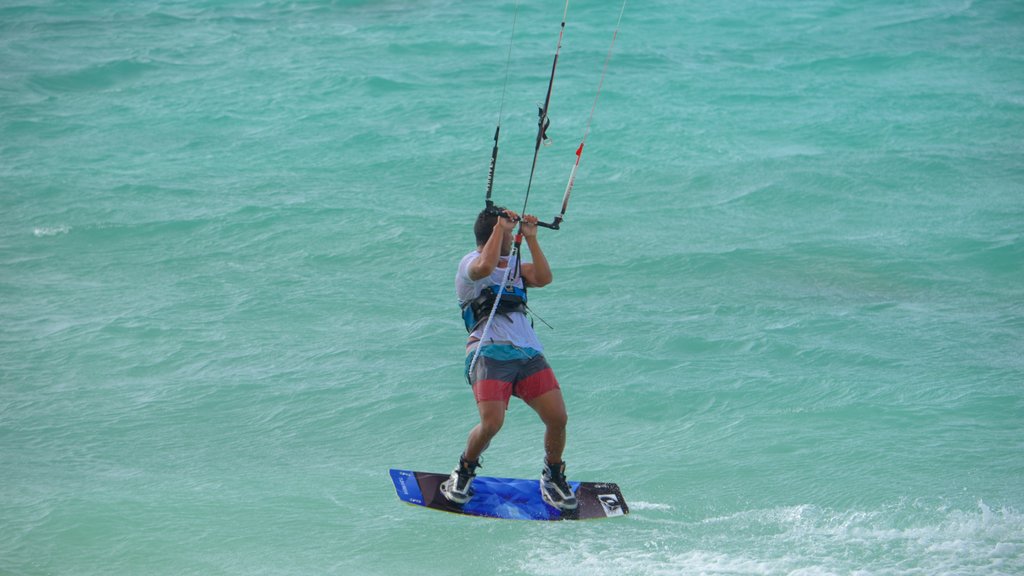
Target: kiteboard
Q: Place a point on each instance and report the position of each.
(509, 498)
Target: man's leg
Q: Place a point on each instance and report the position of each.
(458, 487)
(551, 408)
(492, 416)
(554, 488)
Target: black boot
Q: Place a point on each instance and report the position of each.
(458, 488)
(554, 487)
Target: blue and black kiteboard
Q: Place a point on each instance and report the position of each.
(509, 498)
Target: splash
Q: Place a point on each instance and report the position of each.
(906, 538)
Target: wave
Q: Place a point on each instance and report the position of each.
(44, 231)
(101, 76)
(905, 538)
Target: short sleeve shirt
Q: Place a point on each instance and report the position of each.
(514, 328)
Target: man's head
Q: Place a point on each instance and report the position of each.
(484, 226)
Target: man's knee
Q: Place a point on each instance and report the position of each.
(490, 427)
(551, 409)
(491, 420)
(558, 419)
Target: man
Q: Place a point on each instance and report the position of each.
(511, 360)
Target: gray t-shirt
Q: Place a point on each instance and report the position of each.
(514, 328)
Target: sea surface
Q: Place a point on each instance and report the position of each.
(787, 315)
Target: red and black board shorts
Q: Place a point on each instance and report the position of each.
(499, 380)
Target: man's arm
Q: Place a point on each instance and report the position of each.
(487, 261)
(537, 273)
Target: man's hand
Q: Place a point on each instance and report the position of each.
(529, 226)
(507, 222)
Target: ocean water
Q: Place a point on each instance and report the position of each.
(788, 307)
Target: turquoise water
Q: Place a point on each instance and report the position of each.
(788, 305)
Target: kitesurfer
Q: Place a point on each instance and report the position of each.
(510, 361)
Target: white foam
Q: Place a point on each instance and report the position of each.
(648, 506)
(42, 231)
(905, 538)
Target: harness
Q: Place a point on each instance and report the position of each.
(512, 299)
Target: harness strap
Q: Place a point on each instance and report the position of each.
(476, 310)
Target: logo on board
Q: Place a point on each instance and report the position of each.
(610, 503)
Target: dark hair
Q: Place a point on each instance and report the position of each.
(485, 222)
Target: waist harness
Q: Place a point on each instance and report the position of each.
(475, 311)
